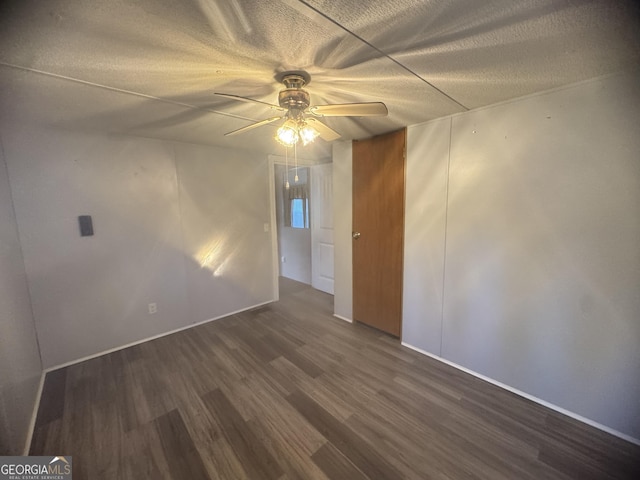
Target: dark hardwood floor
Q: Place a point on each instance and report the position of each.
(287, 391)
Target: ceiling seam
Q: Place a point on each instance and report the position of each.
(397, 62)
(126, 92)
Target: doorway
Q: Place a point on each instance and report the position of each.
(303, 218)
(292, 222)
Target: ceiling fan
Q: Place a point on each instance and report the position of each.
(300, 118)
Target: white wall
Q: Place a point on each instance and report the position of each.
(424, 236)
(224, 205)
(175, 224)
(342, 223)
(541, 214)
(20, 366)
(293, 243)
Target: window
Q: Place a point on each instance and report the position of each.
(300, 213)
(295, 193)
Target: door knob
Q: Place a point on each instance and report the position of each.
(355, 235)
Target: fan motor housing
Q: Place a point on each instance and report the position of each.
(293, 98)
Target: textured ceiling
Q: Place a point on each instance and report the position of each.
(150, 67)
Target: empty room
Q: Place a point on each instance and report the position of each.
(312, 239)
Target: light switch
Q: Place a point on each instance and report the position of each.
(86, 225)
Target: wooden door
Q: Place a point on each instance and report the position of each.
(378, 226)
(322, 227)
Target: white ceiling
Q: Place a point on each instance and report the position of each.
(150, 67)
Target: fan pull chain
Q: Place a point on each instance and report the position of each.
(295, 155)
(286, 167)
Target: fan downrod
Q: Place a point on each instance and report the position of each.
(290, 75)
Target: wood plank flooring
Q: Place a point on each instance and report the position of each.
(289, 392)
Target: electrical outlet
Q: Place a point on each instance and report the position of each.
(283, 259)
(266, 227)
(153, 308)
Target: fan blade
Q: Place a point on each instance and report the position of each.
(325, 133)
(371, 109)
(250, 100)
(252, 126)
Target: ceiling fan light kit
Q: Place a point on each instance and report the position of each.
(299, 122)
(287, 134)
(308, 134)
(292, 131)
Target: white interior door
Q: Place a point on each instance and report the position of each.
(321, 211)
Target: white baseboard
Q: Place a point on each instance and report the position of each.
(544, 403)
(160, 335)
(34, 415)
(343, 318)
